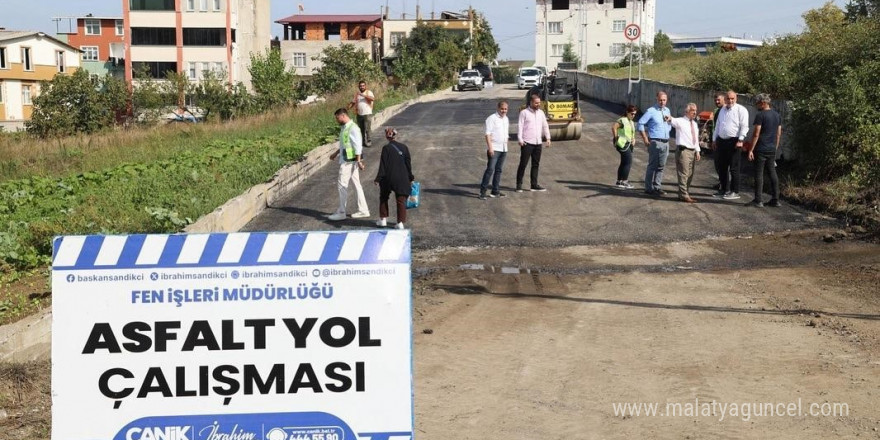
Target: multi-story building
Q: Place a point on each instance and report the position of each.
(395, 30)
(101, 40)
(26, 58)
(194, 36)
(593, 28)
(306, 36)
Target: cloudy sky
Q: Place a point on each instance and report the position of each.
(512, 21)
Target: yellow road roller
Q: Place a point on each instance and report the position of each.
(559, 101)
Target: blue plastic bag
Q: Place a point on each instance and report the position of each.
(414, 198)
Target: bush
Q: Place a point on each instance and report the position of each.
(77, 103)
(830, 74)
(342, 66)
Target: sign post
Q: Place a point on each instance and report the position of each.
(246, 336)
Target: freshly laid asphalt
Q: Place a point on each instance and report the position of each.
(581, 206)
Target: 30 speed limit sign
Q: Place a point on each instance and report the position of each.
(632, 32)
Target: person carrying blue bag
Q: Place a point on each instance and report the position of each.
(395, 174)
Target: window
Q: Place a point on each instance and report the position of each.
(560, 4)
(153, 37)
(26, 59)
(618, 25)
(203, 5)
(299, 59)
(154, 69)
(204, 37)
(120, 27)
(89, 53)
(396, 38)
(1, 92)
(619, 4)
(216, 5)
(151, 5)
(3, 64)
(93, 26)
(554, 27)
(26, 95)
(556, 50)
(190, 5)
(59, 61)
(617, 49)
(191, 70)
(218, 68)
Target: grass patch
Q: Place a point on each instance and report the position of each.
(145, 181)
(841, 198)
(673, 71)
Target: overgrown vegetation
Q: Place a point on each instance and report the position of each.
(830, 73)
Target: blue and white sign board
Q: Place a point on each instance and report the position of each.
(245, 336)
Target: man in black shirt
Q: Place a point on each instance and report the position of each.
(765, 143)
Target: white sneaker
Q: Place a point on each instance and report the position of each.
(399, 225)
(731, 196)
(382, 222)
(361, 214)
(336, 216)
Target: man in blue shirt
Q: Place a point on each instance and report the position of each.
(654, 127)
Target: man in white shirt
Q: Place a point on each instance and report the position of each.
(688, 151)
(727, 141)
(363, 99)
(497, 127)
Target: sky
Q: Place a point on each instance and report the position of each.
(512, 21)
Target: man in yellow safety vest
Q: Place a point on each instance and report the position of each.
(350, 164)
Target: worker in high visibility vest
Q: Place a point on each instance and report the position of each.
(350, 164)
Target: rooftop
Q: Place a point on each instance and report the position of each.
(325, 18)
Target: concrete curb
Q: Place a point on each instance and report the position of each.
(236, 213)
(30, 339)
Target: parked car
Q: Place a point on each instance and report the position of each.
(542, 69)
(486, 72)
(470, 79)
(528, 77)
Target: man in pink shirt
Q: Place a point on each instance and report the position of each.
(531, 131)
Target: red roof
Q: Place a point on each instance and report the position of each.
(330, 19)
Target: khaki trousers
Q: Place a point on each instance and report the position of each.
(685, 159)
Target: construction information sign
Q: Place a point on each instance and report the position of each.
(245, 336)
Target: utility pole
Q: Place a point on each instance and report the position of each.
(471, 26)
(546, 39)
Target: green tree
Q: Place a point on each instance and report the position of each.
(77, 103)
(343, 65)
(856, 9)
(568, 55)
(662, 46)
(440, 54)
(272, 80)
(147, 96)
(483, 46)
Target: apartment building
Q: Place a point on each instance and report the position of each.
(26, 58)
(101, 41)
(306, 36)
(594, 28)
(194, 36)
(396, 29)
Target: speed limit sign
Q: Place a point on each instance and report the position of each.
(632, 32)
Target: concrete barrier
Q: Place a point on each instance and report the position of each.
(31, 338)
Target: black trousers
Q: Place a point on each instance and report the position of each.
(766, 160)
(729, 158)
(529, 152)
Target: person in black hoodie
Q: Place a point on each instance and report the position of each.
(395, 174)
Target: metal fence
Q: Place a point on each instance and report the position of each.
(644, 95)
